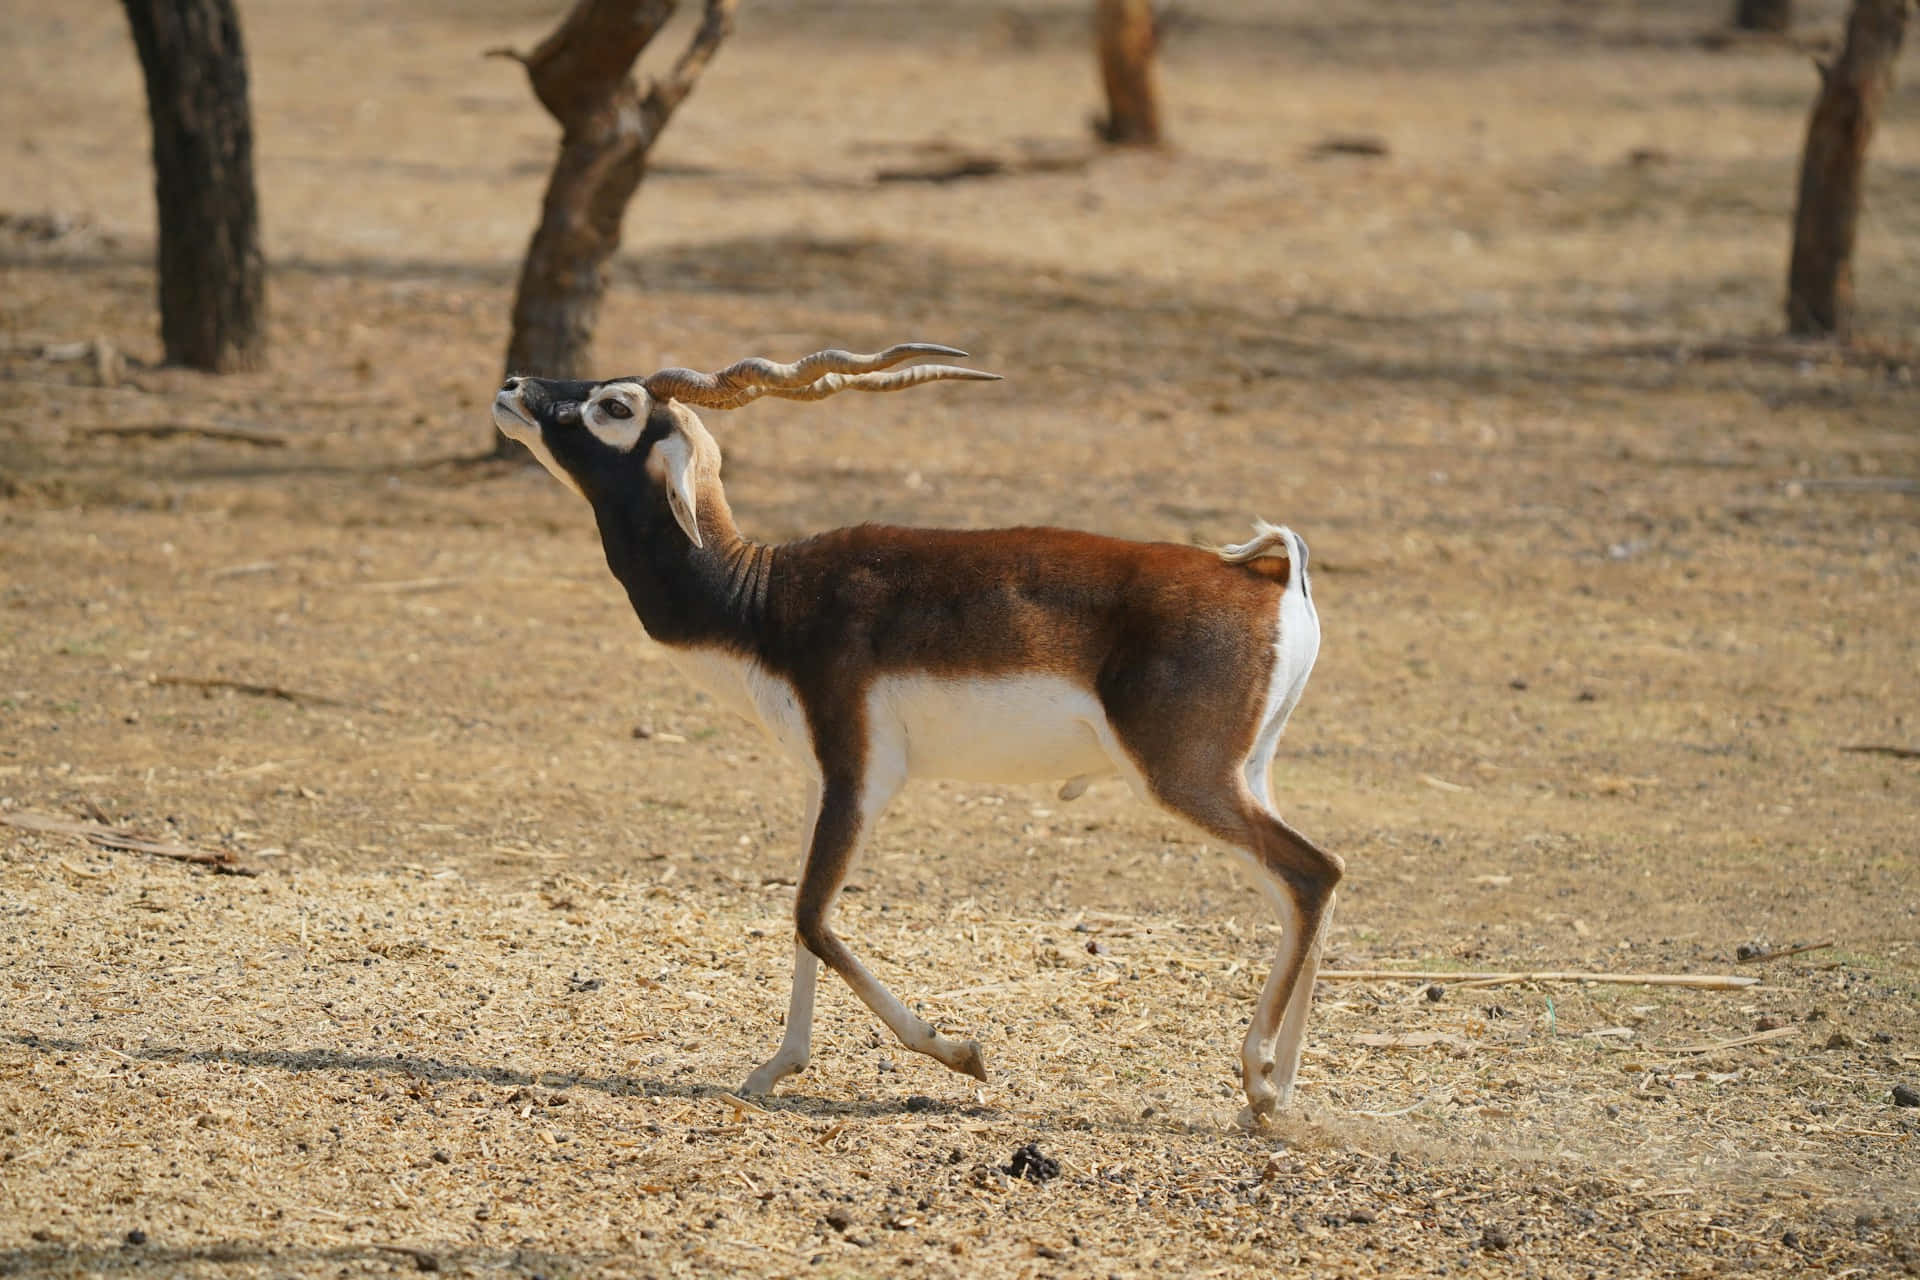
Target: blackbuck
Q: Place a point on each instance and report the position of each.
(874, 654)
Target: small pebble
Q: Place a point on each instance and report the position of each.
(1769, 1022)
(1435, 993)
(1841, 1040)
(919, 1102)
(136, 1236)
(839, 1220)
(1905, 1095)
(1495, 1237)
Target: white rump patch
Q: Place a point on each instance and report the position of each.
(1296, 645)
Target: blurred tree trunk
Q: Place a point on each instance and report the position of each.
(583, 75)
(212, 276)
(1125, 40)
(1763, 15)
(1852, 90)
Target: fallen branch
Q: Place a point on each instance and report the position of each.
(116, 838)
(1349, 145)
(260, 691)
(240, 435)
(1412, 1040)
(1714, 1046)
(1704, 981)
(407, 586)
(1757, 956)
(949, 170)
(1880, 749)
(1860, 484)
(942, 161)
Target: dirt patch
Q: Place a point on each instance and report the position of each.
(1613, 585)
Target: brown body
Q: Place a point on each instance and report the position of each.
(874, 654)
(839, 609)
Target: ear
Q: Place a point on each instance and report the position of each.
(672, 465)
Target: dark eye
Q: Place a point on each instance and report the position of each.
(616, 408)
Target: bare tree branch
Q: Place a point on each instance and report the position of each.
(583, 74)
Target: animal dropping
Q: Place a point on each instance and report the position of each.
(875, 654)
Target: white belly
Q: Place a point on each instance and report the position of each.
(992, 729)
(980, 729)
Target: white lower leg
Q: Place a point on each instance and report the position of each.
(796, 1045)
(913, 1031)
(1256, 1051)
(1293, 1028)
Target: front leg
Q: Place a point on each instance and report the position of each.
(849, 806)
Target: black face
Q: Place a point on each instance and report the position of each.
(551, 401)
(583, 432)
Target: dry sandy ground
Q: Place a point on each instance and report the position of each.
(1614, 587)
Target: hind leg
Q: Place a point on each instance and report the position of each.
(1298, 878)
(1284, 1059)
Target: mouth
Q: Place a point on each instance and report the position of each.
(511, 416)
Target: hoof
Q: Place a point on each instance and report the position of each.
(1263, 1101)
(767, 1078)
(970, 1062)
(1254, 1121)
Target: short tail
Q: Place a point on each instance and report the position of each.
(1272, 540)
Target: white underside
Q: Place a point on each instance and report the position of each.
(1011, 728)
(1023, 728)
(1027, 728)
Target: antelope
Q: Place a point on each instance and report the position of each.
(875, 654)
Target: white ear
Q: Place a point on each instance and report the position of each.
(675, 457)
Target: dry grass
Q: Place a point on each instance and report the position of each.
(1612, 582)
